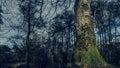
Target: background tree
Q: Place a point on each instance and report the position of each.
(1, 22)
(106, 26)
(46, 33)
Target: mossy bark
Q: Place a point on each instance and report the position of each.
(86, 53)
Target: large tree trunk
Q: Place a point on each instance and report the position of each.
(86, 53)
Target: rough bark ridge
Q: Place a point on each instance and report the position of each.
(86, 53)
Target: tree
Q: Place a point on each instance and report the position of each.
(56, 50)
(27, 8)
(105, 15)
(86, 53)
(1, 22)
(5, 55)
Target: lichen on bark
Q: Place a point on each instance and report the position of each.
(86, 53)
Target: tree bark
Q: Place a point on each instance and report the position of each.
(28, 17)
(86, 53)
(83, 23)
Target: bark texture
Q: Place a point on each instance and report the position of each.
(86, 53)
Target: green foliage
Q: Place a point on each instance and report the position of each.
(92, 58)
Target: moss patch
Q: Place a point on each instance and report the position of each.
(90, 59)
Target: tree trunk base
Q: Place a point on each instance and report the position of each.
(90, 59)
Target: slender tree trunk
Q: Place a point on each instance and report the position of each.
(86, 53)
(28, 35)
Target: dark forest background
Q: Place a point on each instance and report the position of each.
(45, 37)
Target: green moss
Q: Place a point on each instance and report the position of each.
(90, 58)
